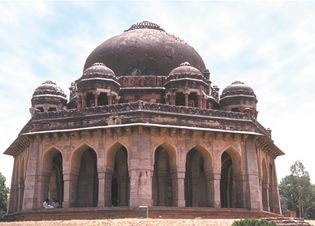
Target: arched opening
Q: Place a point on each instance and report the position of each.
(231, 187)
(87, 185)
(195, 180)
(90, 101)
(102, 99)
(264, 186)
(180, 99)
(227, 179)
(192, 100)
(53, 176)
(55, 190)
(162, 186)
(118, 177)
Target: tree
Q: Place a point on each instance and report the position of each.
(4, 191)
(297, 193)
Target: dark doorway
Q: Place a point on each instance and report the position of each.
(87, 190)
(195, 180)
(120, 179)
(226, 183)
(162, 189)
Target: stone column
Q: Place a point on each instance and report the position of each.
(254, 195)
(101, 189)
(140, 168)
(173, 98)
(110, 99)
(275, 192)
(95, 99)
(178, 179)
(215, 176)
(186, 99)
(200, 99)
(30, 193)
(70, 185)
(83, 96)
(43, 186)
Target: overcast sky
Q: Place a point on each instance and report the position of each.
(268, 45)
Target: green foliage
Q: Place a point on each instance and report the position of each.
(253, 222)
(297, 193)
(4, 191)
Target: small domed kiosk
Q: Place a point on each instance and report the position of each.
(48, 97)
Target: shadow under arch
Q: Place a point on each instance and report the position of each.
(84, 166)
(164, 176)
(52, 172)
(198, 187)
(117, 176)
(231, 189)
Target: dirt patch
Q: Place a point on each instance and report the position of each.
(129, 222)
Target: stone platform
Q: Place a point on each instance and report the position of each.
(126, 212)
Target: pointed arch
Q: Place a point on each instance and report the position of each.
(117, 176)
(84, 166)
(197, 186)
(52, 173)
(231, 189)
(171, 150)
(76, 156)
(164, 175)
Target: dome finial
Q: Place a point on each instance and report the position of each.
(145, 25)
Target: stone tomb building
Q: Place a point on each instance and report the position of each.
(144, 126)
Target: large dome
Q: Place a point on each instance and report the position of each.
(144, 49)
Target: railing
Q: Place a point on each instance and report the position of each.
(140, 106)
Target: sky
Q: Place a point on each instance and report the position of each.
(269, 45)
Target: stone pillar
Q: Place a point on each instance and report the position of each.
(186, 99)
(216, 190)
(13, 189)
(253, 191)
(140, 169)
(275, 192)
(96, 99)
(110, 99)
(200, 99)
(178, 179)
(30, 193)
(70, 185)
(101, 189)
(173, 99)
(108, 184)
(43, 186)
(83, 95)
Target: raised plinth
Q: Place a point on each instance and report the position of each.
(126, 212)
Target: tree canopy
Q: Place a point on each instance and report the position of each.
(297, 193)
(4, 192)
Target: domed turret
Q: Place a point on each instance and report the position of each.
(239, 97)
(97, 86)
(48, 97)
(186, 85)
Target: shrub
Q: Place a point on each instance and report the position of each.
(253, 222)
